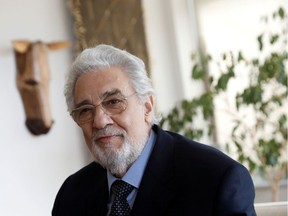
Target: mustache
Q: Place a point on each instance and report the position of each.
(108, 131)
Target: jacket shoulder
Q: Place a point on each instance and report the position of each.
(81, 190)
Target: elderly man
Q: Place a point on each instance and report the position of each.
(140, 169)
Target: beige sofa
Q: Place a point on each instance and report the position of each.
(271, 209)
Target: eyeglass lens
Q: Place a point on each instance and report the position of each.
(111, 105)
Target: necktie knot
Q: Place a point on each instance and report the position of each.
(120, 205)
(121, 189)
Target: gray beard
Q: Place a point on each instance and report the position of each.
(118, 161)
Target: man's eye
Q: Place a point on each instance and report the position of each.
(85, 111)
(112, 102)
(115, 101)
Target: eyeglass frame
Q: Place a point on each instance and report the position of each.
(125, 98)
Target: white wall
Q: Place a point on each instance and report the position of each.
(171, 38)
(33, 168)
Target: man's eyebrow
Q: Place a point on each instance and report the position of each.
(110, 93)
(103, 96)
(82, 103)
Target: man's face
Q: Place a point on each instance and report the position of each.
(118, 137)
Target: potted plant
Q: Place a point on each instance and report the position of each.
(259, 131)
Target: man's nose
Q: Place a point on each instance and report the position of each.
(101, 119)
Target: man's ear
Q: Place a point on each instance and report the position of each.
(149, 106)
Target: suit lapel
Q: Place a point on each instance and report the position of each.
(156, 191)
(97, 197)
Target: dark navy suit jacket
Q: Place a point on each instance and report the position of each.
(182, 177)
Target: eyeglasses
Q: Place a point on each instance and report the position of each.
(111, 105)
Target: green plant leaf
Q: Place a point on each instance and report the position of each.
(260, 42)
(240, 57)
(281, 12)
(224, 80)
(198, 72)
(274, 38)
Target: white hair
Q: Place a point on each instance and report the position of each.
(103, 57)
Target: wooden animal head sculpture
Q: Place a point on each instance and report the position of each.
(33, 82)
